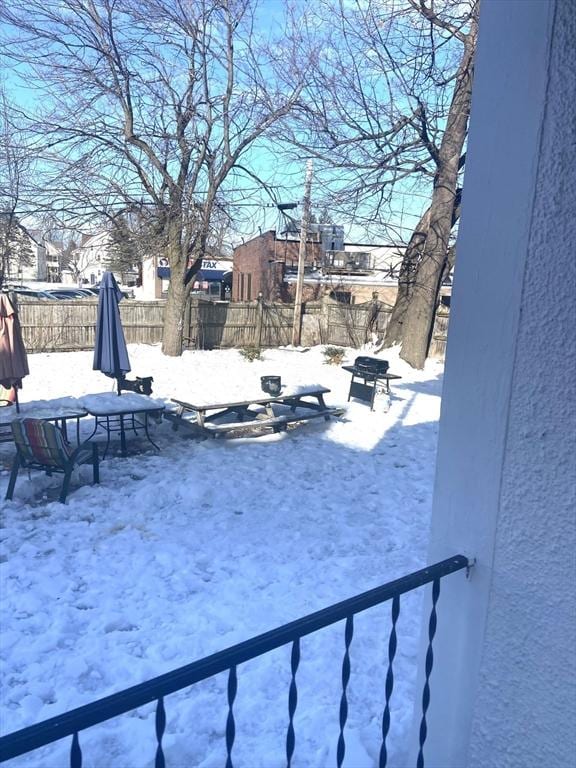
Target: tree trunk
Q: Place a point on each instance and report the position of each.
(448, 265)
(173, 334)
(394, 330)
(419, 317)
(174, 311)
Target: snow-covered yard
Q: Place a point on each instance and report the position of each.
(184, 552)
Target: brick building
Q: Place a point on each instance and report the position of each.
(352, 273)
(261, 264)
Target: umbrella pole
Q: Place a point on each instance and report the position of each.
(16, 398)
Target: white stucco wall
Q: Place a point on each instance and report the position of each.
(504, 684)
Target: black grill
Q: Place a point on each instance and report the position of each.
(369, 366)
(367, 374)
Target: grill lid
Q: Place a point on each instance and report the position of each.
(370, 365)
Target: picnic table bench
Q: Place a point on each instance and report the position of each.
(296, 405)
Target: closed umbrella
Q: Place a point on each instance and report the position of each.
(13, 360)
(110, 353)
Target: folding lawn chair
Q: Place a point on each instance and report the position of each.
(41, 445)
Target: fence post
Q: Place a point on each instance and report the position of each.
(194, 324)
(325, 318)
(372, 324)
(187, 333)
(259, 319)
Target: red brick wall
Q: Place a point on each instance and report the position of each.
(259, 266)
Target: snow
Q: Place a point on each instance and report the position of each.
(109, 403)
(181, 553)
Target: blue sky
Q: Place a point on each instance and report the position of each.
(255, 210)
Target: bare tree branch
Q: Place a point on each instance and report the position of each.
(147, 103)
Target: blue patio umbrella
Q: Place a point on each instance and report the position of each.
(110, 353)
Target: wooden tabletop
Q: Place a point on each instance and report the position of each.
(292, 394)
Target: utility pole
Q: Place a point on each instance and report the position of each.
(301, 255)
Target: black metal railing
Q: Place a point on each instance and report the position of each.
(76, 720)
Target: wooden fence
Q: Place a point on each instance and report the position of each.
(239, 324)
(58, 326)
(439, 334)
(353, 325)
(64, 326)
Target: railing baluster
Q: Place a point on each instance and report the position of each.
(160, 728)
(392, 643)
(348, 633)
(429, 664)
(76, 720)
(292, 701)
(75, 752)
(230, 725)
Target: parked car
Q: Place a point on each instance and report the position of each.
(23, 291)
(66, 293)
(127, 293)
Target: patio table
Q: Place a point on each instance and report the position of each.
(59, 410)
(120, 413)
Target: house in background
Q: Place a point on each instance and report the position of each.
(91, 258)
(351, 273)
(53, 257)
(36, 269)
(54, 260)
(88, 260)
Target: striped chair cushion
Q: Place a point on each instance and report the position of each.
(41, 442)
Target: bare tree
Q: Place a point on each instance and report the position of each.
(358, 117)
(409, 271)
(15, 250)
(151, 104)
(15, 167)
(134, 238)
(386, 114)
(419, 317)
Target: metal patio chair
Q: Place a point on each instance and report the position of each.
(42, 445)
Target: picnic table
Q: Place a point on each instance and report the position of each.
(274, 412)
